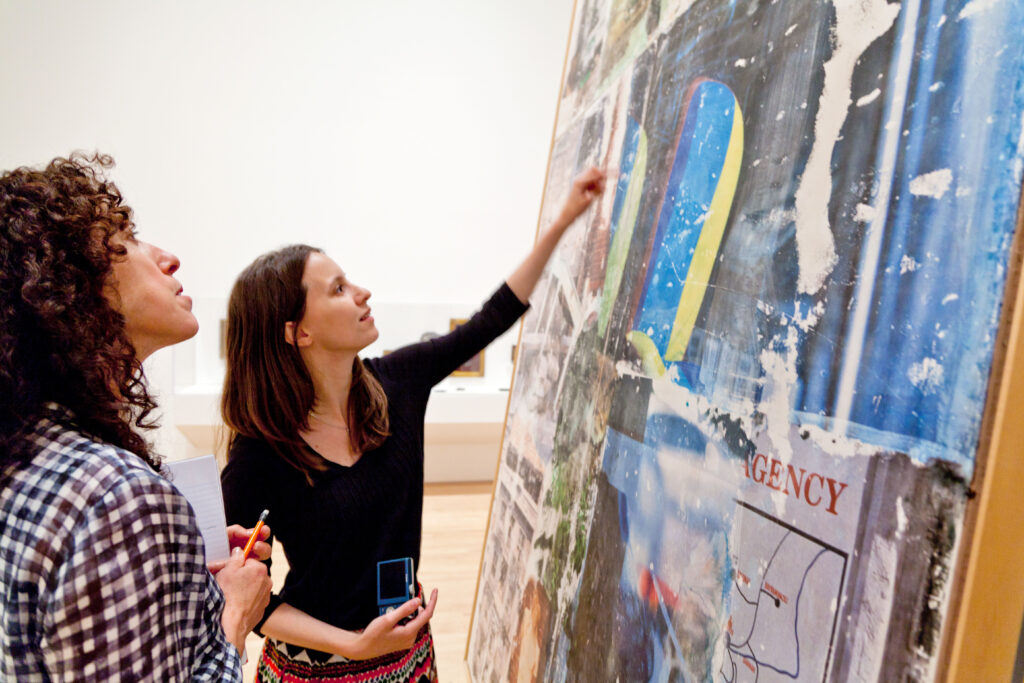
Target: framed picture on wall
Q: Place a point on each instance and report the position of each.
(474, 367)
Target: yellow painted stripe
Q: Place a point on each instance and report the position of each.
(650, 359)
(706, 251)
(623, 234)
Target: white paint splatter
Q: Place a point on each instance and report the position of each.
(831, 442)
(741, 63)
(807, 322)
(934, 87)
(901, 517)
(908, 264)
(780, 379)
(858, 24)
(780, 115)
(791, 29)
(865, 213)
(942, 20)
(1020, 143)
(974, 7)
(874, 610)
(934, 184)
(870, 97)
(926, 375)
(962, 191)
(950, 297)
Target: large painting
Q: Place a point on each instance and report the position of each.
(746, 412)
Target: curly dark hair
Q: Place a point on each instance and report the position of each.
(60, 340)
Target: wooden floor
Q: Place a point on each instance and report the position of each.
(454, 523)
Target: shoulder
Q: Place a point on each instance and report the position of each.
(247, 452)
(80, 470)
(75, 488)
(254, 462)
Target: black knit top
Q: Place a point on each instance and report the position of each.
(336, 531)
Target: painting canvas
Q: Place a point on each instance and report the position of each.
(745, 416)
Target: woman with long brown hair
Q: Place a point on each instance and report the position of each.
(332, 445)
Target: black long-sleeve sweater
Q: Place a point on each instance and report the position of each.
(336, 531)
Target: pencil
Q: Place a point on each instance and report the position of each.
(255, 534)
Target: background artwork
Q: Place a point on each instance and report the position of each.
(748, 398)
(474, 367)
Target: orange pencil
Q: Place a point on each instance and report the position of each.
(255, 534)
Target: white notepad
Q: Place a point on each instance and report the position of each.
(198, 479)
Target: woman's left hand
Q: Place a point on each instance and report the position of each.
(238, 536)
(385, 634)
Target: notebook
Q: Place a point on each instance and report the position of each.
(198, 479)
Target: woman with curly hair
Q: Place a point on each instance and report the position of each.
(102, 566)
(333, 445)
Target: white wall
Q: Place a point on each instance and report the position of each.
(409, 139)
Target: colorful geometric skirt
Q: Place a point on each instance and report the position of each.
(282, 662)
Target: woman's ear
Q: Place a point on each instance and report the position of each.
(295, 335)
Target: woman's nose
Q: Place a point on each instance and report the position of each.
(171, 263)
(165, 260)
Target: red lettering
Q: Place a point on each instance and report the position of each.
(759, 474)
(794, 481)
(774, 472)
(791, 479)
(834, 494)
(807, 488)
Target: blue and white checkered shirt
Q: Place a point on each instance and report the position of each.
(102, 571)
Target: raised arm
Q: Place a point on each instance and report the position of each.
(585, 188)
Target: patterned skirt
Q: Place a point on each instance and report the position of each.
(282, 662)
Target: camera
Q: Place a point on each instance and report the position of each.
(396, 583)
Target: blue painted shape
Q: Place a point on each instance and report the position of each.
(696, 170)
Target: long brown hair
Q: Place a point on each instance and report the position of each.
(268, 391)
(60, 340)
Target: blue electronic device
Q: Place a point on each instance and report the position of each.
(396, 583)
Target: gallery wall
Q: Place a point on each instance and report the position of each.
(408, 140)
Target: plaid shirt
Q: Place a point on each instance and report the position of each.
(102, 570)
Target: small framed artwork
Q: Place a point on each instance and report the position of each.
(474, 367)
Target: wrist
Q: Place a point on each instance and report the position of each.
(562, 221)
(233, 623)
(349, 644)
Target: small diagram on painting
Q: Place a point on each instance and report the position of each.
(474, 367)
